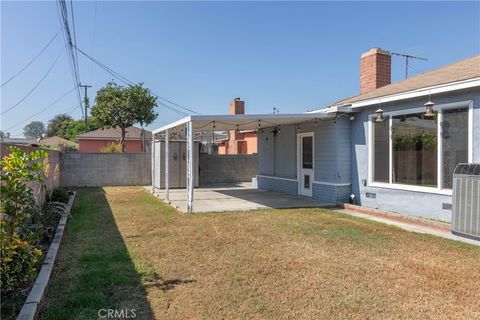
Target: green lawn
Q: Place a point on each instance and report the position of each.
(124, 249)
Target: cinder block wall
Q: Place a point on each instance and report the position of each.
(227, 168)
(105, 169)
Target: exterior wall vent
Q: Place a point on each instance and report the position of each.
(466, 200)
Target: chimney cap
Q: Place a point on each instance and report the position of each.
(237, 99)
(375, 51)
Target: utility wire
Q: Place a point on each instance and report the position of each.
(44, 109)
(73, 62)
(131, 83)
(94, 36)
(33, 60)
(36, 86)
(78, 106)
(74, 38)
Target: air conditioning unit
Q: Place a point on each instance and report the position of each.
(466, 201)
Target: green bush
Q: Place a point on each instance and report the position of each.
(21, 217)
(59, 195)
(18, 260)
(51, 214)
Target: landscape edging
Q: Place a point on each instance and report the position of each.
(30, 307)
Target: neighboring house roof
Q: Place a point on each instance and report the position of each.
(458, 71)
(132, 133)
(21, 141)
(56, 141)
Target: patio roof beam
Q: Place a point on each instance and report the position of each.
(243, 121)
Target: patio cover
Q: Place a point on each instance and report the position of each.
(220, 123)
(240, 121)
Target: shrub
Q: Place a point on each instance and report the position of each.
(18, 260)
(59, 195)
(21, 217)
(51, 214)
(113, 147)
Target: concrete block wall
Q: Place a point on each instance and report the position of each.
(227, 168)
(105, 169)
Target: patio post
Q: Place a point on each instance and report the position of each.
(167, 173)
(190, 164)
(152, 150)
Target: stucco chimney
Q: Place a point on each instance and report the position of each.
(237, 106)
(375, 69)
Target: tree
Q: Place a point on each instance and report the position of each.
(118, 106)
(77, 127)
(34, 130)
(4, 135)
(57, 126)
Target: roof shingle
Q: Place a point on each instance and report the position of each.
(132, 133)
(458, 71)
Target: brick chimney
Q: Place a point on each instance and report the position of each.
(375, 69)
(237, 106)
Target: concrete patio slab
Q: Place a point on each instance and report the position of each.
(238, 197)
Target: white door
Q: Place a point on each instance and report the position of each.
(305, 163)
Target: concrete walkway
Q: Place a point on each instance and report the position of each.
(238, 197)
(411, 226)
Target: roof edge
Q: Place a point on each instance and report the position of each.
(425, 91)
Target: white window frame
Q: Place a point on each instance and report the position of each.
(388, 117)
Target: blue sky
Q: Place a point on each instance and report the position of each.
(293, 56)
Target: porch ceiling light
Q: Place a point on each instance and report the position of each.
(429, 109)
(379, 117)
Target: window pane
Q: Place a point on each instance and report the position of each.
(381, 152)
(307, 152)
(306, 181)
(454, 142)
(415, 150)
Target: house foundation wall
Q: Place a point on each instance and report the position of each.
(277, 184)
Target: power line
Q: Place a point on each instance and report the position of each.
(68, 112)
(36, 86)
(33, 60)
(44, 109)
(131, 83)
(94, 34)
(78, 106)
(72, 60)
(74, 38)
